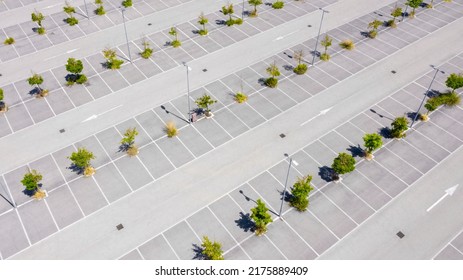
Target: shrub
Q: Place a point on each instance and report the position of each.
(278, 5)
(202, 32)
(31, 180)
(343, 163)
(300, 193)
(372, 34)
(127, 3)
(82, 79)
(9, 41)
(81, 158)
(211, 250)
(372, 142)
(128, 140)
(171, 129)
(325, 57)
(114, 64)
(399, 126)
(100, 10)
(68, 9)
(175, 43)
(1, 95)
(374, 25)
(37, 80)
(203, 21)
(454, 81)
(37, 17)
(204, 102)
(271, 82)
(254, 3)
(241, 97)
(450, 99)
(391, 23)
(238, 21)
(41, 30)
(72, 21)
(261, 217)
(347, 45)
(300, 69)
(146, 53)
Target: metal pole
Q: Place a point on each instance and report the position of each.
(188, 90)
(424, 97)
(286, 183)
(86, 10)
(126, 37)
(319, 30)
(242, 12)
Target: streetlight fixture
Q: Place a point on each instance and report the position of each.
(291, 161)
(126, 37)
(188, 69)
(319, 30)
(426, 93)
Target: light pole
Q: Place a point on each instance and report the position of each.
(425, 94)
(286, 183)
(6, 199)
(126, 37)
(242, 12)
(188, 69)
(319, 30)
(86, 10)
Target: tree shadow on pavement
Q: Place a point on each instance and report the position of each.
(326, 173)
(245, 222)
(198, 250)
(356, 151)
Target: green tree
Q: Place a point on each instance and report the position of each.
(81, 160)
(300, 193)
(255, 3)
(100, 9)
(147, 51)
(175, 43)
(228, 10)
(38, 17)
(9, 41)
(399, 126)
(274, 72)
(37, 80)
(373, 26)
(31, 180)
(372, 142)
(261, 217)
(326, 43)
(111, 61)
(70, 10)
(3, 107)
(127, 3)
(413, 4)
(278, 4)
(395, 13)
(212, 250)
(454, 81)
(204, 102)
(75, 67)
(343, 163)
(301, 68)
(128, 141)
(203, 20)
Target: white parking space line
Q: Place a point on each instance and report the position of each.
(168, 243)
(51, 214)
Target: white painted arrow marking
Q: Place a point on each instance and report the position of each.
(71, 51)
(322, 112)
(282, 37)
(448, 192)
(92, 117)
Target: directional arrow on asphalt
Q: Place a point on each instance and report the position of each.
(448, 192)
(282, 37)
(322, 112)
(92, 117)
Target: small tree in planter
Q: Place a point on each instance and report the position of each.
(254, 3)
(175, 43)
(342, 164)
(128, 141)
(147, 51)
(38, 17)
(274, 72)
(431, 105)
(301, 68)
(171, 129)
(127, 3)
(454, 81)
(413, 4)
(31, 181)
(240, 97)
(326, 43)
(204, 102)
(111, 61)
(228, 10)
(70, 10)
(373, 26)
(203, 20)
(347, 45)
(35, 81)
(100, 9)
(9, 41)
(278, 4)
(212, 250)
(430, 4)
(395, 13)
(3, 107)
(261, 217)
(399, 126)
(300, 193)
(81, 160)
(75, 67)
(372, 142)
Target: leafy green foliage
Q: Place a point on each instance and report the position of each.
(171, 129)
(41, 30)
(238, 21)
(147, 51)
(36, 79)
(254, 3)
(175, 43)
(300, 69)
(241, 97)
(326, 42)
(1, 94)
(325, 57)
(203, 21)
(81, 158)
(396, 12)
(372, 34)
(373, 26)
(100, 10)
(37, 17)
(278, 4)
(399, 126)
(347, 45)
(372, 142)
(129, 137)
(205, 101)
(9, 41)
(72, 21)
(74, 66)
(273, 70)
(68, 9)
(31, 180)
(454, 81)
(99, 2)
(271, 82)
(81, 79)
(343, 163)
(127, 3)
(300, 193)
(261, 217)
(212, 250)
(111, 61)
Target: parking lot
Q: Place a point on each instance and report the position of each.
(453, 250)
(72, 197)
(6, 5)
(335, 208)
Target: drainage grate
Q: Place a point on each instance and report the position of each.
(393, 71)
(400, 234)
(62, 130)
(149, 24)
(204, 70)
(282, 135)
(309, 25)
(119, 226)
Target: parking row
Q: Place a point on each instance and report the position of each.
(6, 5)
(453, 250)
(335, 208)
